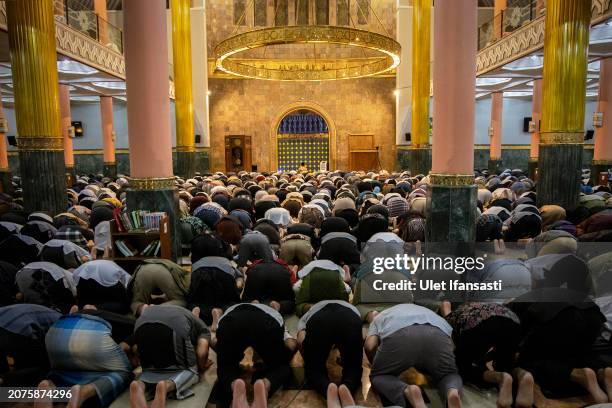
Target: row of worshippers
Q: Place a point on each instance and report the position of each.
(340, 227)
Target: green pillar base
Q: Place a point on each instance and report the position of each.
(451, 219)
(110, 170)
(532, 169)
(185, 164)
(165, 200)
(559, 174)
(495, 166)
(202, 162)
(43, 177)
(6, 182)
(420, 160)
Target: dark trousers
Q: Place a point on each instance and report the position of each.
(30, 357)
(113, 299)
(495, 339)
(334, 325)
(268, 282)
(553, 349)
(246, 326)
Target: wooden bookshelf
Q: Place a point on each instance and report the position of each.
(139, 239)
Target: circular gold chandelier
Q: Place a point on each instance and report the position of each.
(227, 51)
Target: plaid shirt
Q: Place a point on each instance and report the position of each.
(74, 236)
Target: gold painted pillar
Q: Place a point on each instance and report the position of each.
(6, 185)
(31, 28)
(566, 45)
(420, 151)
(183, 102)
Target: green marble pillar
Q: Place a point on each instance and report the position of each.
(495, 166)
(6, 181)
(110, 170)
(565, 163)
(532, 169)
(451, 214)
(420, 160)
(185, 163)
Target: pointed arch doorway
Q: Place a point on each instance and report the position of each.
(303, 132)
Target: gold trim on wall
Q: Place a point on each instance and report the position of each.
(451, 180)
(294, 107)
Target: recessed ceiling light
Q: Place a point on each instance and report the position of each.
(491, 81)
(75, 68)
(110, 85)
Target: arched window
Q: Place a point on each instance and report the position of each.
(363, 12)
(261, 13)
(281, 12)
(343, 10)
(322, 12)
(239, 12)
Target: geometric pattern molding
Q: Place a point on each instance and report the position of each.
(527, 39)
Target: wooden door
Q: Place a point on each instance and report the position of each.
(238, 155)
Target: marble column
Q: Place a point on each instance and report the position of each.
(499, 8)
(64, 95)
(497, 108)
(536, 116)
(148, 111)
(602, 155)
(563, 102)
(6, 185)
(451, 197)
(420, 151)
(108, 136)
(31, 28)
(403, 84)
(183, 101)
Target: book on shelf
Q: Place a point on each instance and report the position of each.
(128, 221)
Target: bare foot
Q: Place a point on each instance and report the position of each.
(371, 316)
(142, 309)
(333, 399)
(74, 309)
(216, 315)
(44, 402)
(196, 311)
(137, 395)
(275, 305)
(346, 398)
(445, 308)
(504, 399)
(524, 394)
(453, 400)
(239, 398)
(260, 395)
(608, 382)
(90, 307)
(588, 380)
(75, 397)
(414, 396)
(160, 395)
